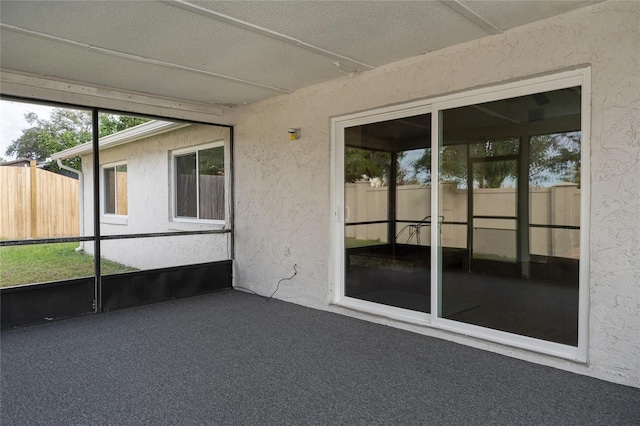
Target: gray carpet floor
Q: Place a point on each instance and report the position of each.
(231, 358)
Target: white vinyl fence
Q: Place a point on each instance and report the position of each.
(557, 205)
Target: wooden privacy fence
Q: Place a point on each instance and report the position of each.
(36, 203)
(211, 197)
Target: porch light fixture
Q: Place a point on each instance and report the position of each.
(294, 134)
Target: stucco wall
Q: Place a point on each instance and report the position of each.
(148, 174)
(283, 187)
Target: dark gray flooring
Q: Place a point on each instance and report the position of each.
(233, 358)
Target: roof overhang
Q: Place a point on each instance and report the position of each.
(142, 131)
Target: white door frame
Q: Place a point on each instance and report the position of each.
(578, 77)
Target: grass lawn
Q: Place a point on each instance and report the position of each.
(49, 262)
(353, 243)
(489, 256)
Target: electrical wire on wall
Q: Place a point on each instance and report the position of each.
(268, 298)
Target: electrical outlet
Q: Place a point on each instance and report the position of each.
(287, 250)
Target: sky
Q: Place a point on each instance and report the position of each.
(12, 122)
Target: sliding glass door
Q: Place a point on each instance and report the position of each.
(463, 213)
(520, 267)
(387, 226)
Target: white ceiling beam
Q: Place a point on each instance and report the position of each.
(472, 16)
(29, 86)
(138, 58)
(185, 5)
(494, 114)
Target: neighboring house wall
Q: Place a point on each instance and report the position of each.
(149, 183)
(283, 194)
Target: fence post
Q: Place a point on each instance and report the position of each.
(33, 194)
(562, 213)
(360, 209)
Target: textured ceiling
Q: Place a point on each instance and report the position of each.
(239, 52)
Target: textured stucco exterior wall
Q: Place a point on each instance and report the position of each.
(283, 188)
(149, 186)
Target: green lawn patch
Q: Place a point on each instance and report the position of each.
(490, 256)
(353, 243)
(49, 262)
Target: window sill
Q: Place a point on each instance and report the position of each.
(194, 225)
(114, 220)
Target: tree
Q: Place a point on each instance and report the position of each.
(555, 157)
(363, 163)
(552, 158)
(211, 161)
(111, 123)
(65, 128)
(486, 174)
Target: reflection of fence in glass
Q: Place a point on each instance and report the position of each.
(555, 242)
(554, 206)
(211, 197)
(494, 244)
(212, 203)
(366, 201)
(115, 190)
(37, 203)
(366, 235)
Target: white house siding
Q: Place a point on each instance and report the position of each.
(148, 161)
(283, 187)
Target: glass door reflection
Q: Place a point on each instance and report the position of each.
(387, 212)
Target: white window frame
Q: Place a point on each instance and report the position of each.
(578, 77)
(191, 150)
(114, 218)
